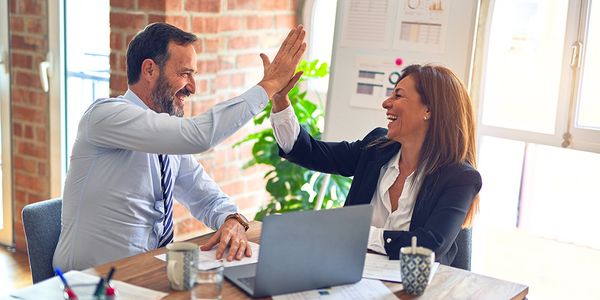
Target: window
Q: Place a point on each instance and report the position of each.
(79, 42)
(539, 142)
(538, 75)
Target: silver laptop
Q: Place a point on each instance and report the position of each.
(307, 250)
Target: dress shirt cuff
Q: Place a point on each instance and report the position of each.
(286, 128)
(257, 98)
(376, 240)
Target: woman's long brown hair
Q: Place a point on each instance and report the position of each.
(450, 138)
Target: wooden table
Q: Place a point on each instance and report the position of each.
(448, 283)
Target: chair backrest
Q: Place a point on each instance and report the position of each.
(463, 256)
(41, 221)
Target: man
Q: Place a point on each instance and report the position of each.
(132, 154)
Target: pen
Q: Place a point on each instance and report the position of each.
(110, 275)
(68, 289)
(99, 288)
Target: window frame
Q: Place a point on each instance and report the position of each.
(566, 134)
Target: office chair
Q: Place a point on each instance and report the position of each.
(41, 222)
(463, 256)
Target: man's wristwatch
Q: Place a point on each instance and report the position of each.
(240, 218)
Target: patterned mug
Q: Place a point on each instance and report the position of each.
(182, 261)
(415, 269)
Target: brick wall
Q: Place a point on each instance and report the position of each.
(231, 35)
(28, 46)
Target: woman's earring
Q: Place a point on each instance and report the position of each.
(425, 118)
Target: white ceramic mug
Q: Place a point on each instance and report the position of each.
(182, 260)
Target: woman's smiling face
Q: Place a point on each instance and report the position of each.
(408, 116)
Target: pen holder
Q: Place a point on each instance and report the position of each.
(415, 267)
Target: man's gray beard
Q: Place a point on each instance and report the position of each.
(163, 97)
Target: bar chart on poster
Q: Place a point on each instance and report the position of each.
(375, 39)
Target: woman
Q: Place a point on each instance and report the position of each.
(419, 174)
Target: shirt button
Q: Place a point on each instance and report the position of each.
(261, 105)
(239, 124)
(158, 205)
(389, 240)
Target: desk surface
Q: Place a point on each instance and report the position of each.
(448, 283)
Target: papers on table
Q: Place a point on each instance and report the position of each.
(84, 286)
(364, 289)
(207, 260)
(382, 268)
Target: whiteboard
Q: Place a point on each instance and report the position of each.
(375, 39)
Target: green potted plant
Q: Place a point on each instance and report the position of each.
(293, 188)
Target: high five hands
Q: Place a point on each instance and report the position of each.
(279, 73)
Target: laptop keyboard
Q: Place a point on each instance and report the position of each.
(248, 282)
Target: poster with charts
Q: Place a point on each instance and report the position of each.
(375, 79)
(422, 26)
(366, 24)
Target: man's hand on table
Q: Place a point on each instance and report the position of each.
(231, 234)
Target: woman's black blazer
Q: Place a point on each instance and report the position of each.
(441, 205)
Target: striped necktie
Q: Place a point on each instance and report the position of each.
(166, 183)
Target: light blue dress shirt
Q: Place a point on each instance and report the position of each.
(112, 202)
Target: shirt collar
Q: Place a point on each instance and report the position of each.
(393, 162)
(133, 98)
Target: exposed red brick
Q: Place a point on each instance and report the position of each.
(230, 23)
(237, 80)
(285, 21)
(41, 134)
(203, 6)
(207, 66)
(32, 150)
(155, 18)
(226, 62)
(173, 6)
(211, 45)
(127, 4)
(259, 22)
(136, 21)
(233, 188)
(34, 25)
(42, 167)
(201, 86)
(118, 83)
(17, 130)
(202, 25)
(29, 114)
(18, 60)
(151, 5)
(221, 82)
(31, 182)
(31, 43)
(31, 7)
(17, 24)
(179, 21)
(274, 5)
(242, 42)
(25, 165)
(28, 132)
(242, 4)
(28, 79)
(248, 60)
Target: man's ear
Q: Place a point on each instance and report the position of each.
(150, 70)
